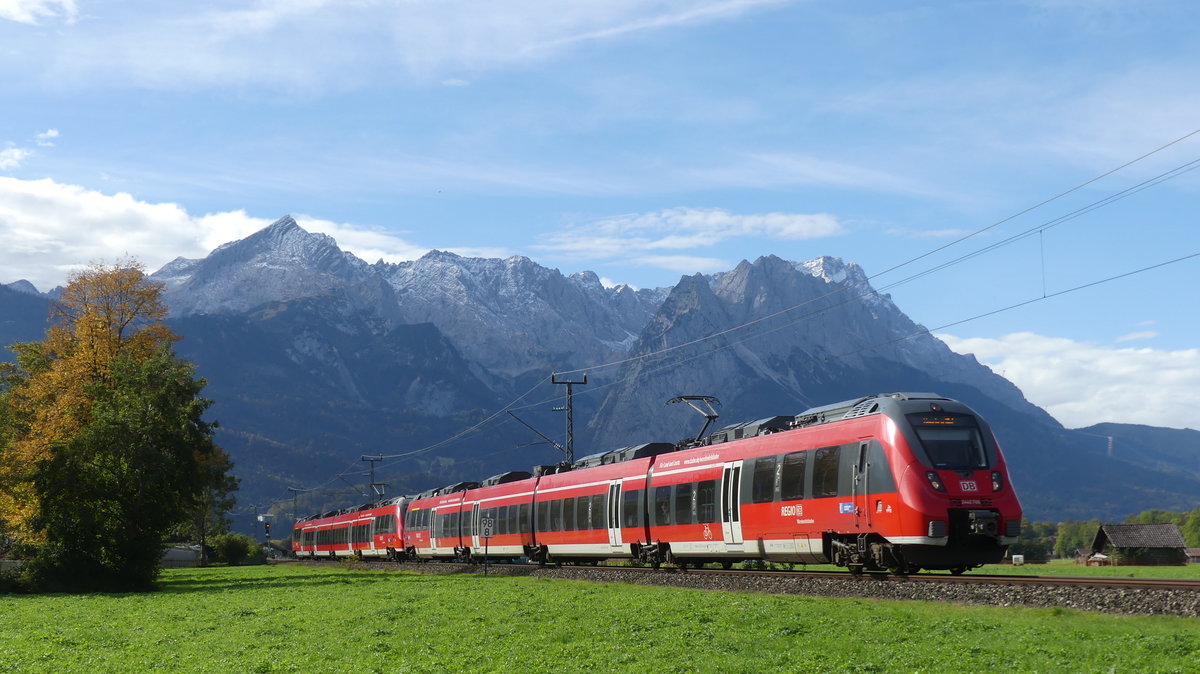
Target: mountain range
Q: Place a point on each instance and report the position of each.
(317, 360)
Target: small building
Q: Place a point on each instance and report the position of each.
(1140, 545)
(178, 556)
(1193, 555)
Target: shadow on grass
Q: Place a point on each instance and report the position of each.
(222, 583)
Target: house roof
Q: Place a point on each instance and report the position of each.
(1138, 536)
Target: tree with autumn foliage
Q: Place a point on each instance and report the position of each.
(103, 448)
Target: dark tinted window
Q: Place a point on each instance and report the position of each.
(762, 489)
(631, 509)
(583, 518)
(510, 520)
(523, 519)
(791, 477)
(683, 503)
(556, 518)
(706, 501)
(951, 441)
(599, 507)
(662, 506)
(825, 471)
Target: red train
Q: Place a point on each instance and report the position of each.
(900, 482)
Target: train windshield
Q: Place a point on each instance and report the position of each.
(952, 441)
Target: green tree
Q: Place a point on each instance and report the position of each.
(103, 446)
(1191, 528)
(207, 514)
(1073, 536)
(1155, 516)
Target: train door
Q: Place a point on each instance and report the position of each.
(862, 486)
(476, 544)
(731, 505)
(614, 513)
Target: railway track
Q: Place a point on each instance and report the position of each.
(1111, 582)
(1146, 596)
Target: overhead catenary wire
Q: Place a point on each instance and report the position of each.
(513, 404)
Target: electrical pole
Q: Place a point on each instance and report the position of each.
(570, 451)
(377, 487)
(295, 493)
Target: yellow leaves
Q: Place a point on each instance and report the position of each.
(104, 312)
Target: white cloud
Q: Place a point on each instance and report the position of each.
(11, 157)
(643, 236)
(33, 11)
(360, 39)
(46, 138)
(684, 264)
(48, 229)
(760, 170)
(1137, 336)
(1081, 383)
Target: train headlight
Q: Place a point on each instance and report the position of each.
(997, 480)
(935, 481)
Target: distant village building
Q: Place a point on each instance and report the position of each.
(1193, 555)
(1139, 544)
(181, 556)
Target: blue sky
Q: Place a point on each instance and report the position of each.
(645, 140)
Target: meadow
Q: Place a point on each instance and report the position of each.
(294, 618)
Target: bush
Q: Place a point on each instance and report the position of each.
(236, 549)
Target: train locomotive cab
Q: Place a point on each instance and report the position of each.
(959, 508)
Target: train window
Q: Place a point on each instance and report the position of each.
(583, 518)
(825, 471)
(683, 503)
(599, 507)
(952, 442)
(568, 514)
(543, 516)
(762, 489)
(662, 506)
(523, 525)
(791, 480)
(510, 519)
(556, 515)
(706, 501)
(879, 471)
(632, 509)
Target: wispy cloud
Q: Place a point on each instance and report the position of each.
(46, 138)
(645, 237)
(11, 157)
(361, 40)
(1137, 336)
(1081, 383)
(34, 11)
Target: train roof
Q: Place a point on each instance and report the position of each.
(505, 478)
(857, 407)
(642, 451)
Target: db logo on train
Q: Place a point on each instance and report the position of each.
(968, 485)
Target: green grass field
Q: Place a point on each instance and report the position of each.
(296, 618)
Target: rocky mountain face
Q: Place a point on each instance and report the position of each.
(316, 358)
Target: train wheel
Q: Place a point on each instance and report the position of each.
(727, 565)
(958, 570)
